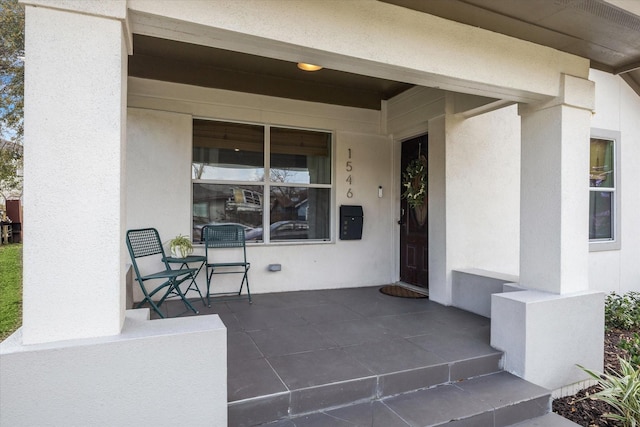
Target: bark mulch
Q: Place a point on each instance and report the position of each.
(589, 412)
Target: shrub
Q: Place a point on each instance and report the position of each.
(632, 347)
(621, 391)
(622, 311)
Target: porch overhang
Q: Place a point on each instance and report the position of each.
(418, 55)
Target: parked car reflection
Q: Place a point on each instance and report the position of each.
(282, 230)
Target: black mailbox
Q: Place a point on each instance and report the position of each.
(351, 220)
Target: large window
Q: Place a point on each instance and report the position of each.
(603, 191)
(254, 175)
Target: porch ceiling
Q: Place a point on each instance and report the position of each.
(606, 34)
(178, 62)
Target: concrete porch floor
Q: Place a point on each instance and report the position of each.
(358, 357)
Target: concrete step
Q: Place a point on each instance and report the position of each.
(548, 420)
(367, 389)
(494, 400)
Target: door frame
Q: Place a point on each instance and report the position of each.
(396, 180)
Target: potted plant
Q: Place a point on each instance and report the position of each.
(181, 246)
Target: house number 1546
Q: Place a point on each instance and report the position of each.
(349, 168)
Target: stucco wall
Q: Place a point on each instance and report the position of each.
(155, 372)
(159, 183)
(483, 191)
(481, 161)
(474, 184)
(481, 198)
(481, 194)
(618, 109)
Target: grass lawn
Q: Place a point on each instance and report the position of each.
(10, 289)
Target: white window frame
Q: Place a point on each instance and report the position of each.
(267, 184)
(596, 245)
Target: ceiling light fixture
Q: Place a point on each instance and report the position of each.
(308, 67)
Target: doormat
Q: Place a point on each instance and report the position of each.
(400, 291)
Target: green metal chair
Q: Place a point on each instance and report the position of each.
(226, 236)
(146, 242)
(199, 260)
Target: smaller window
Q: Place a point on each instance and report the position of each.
(604, 196)
(601, 183)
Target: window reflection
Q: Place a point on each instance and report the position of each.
(230, 180)
(296, 213)
(600, 224)
(299, 213)
(302, 157)
(227, 151)
(601, 167)
(224, 204)
(602, 189)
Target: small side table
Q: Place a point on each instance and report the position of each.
(184, 263)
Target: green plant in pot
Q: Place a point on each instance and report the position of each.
(181, 246)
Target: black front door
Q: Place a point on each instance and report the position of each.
(414, 265)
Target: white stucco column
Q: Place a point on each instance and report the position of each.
(554, 240)
(556, 323)
(439, 265)
(75, 115)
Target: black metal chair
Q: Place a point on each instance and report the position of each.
(146, 242)
(226, 237)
